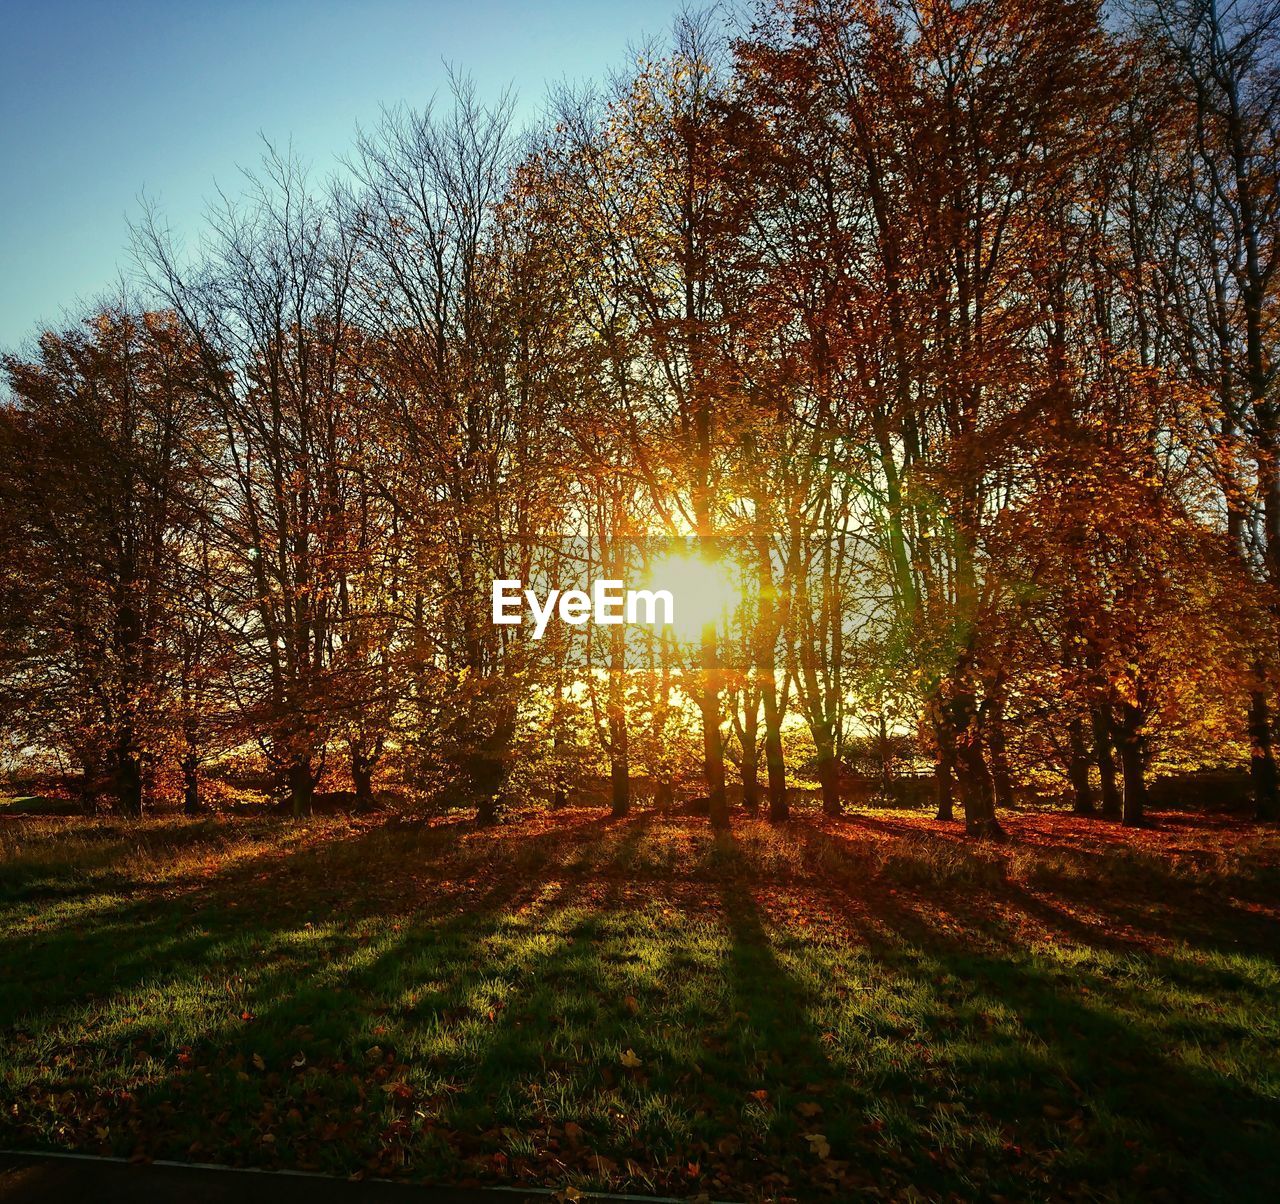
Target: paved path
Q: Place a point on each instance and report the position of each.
(59, 1179)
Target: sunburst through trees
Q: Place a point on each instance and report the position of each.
(924, 352)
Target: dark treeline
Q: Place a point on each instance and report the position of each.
(948, 330)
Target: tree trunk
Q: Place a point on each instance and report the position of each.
(886, 786)
(128, 779)
(1103, 746)
(712, 745)
(976, 789)
(1262, 762)
(1131, 748)
(828, 775)
(774, 760)
(489, 764)
(89, 785)
(619, 766)
(559, 779)
(619, 744)
(301, 780)
(1078, 771)
(362, 779)
(977, 792)
(766, 665)
(1000, 779)
(751, 776)
(943, 772)
(191, 804)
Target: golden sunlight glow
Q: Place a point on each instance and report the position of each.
(703, 591)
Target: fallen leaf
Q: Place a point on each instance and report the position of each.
(818, 1144)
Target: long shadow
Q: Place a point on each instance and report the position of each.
(457, 1137)
(1133, 908)
(176, 925)
(1201, 1133)
(807, 1098)
(716, 1054)
(400, 1045)
(164, 929)
(181, 942)
(359, 1024)
(1092, 1043)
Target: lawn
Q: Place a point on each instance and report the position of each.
(866, 1007)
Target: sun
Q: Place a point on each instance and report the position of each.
(703, 592)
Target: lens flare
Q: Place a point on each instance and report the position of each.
(703, 592)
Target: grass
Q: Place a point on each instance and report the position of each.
(870, 1007)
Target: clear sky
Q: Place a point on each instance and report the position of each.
(101, 100)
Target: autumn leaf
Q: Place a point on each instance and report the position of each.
(258, 1063)
(630, 1060)
(818, 1144)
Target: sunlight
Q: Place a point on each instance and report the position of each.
(703, 590)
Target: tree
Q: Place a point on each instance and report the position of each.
(102, 452)
(271, 315)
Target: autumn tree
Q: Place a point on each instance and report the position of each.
(650, 200)
(1212, 271)
(270, 311)
(102, 458)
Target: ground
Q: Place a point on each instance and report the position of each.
(871, 1007)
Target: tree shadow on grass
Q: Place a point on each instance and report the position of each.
(1072, 1057)
(347, 877)
(1133, 900)
(1184, 1126)
(409, 994)
(723, 1050)
(807, 1109)
(324, 989)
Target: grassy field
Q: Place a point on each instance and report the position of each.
(870, 1007)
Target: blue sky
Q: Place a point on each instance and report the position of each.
(101, 101)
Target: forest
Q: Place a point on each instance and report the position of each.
(930, 349)
(947, 333)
